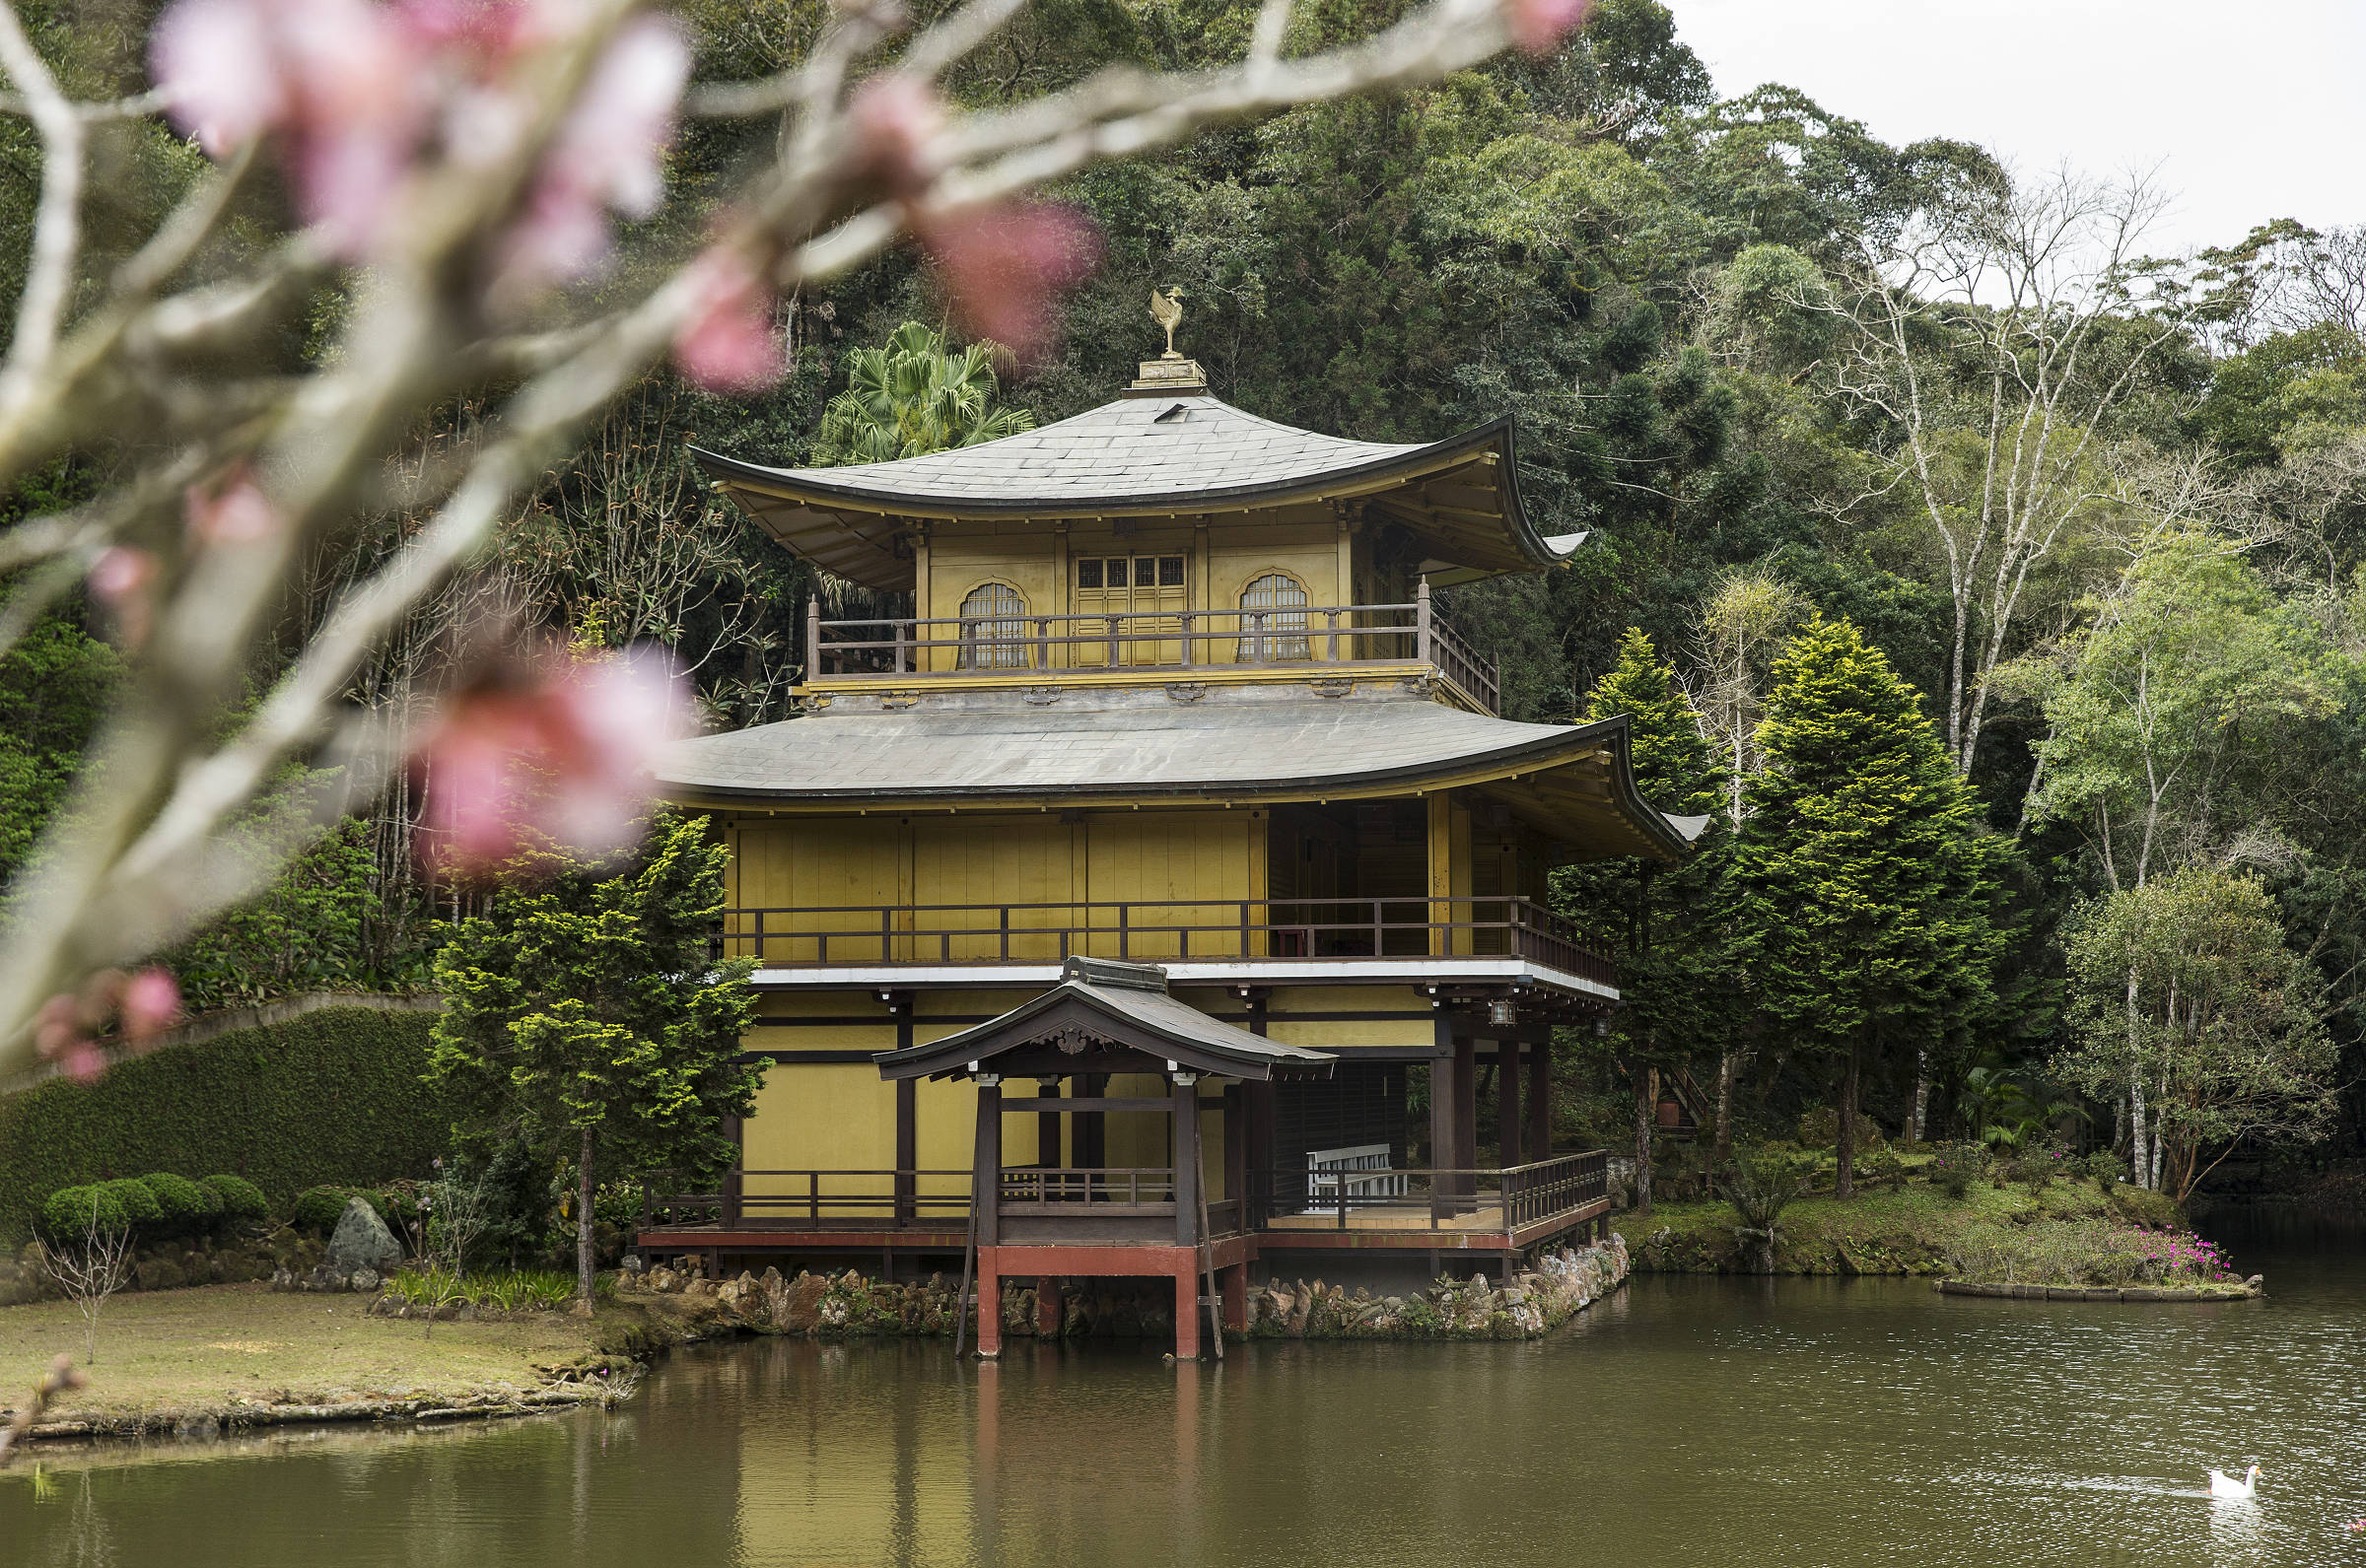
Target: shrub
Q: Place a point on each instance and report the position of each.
(139, 1203)
(398, 1206)
(1883, 1168)
(319, 1208)
(184, 1206)
(67, 1215)
(1954, 1167)
(2106, 1166)
(1820, 1128)
(242, 1202)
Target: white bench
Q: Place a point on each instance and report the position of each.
(1359, 1171)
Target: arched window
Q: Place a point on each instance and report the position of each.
(1272, 619)
(994, 628)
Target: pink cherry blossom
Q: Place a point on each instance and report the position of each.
(607, 156)
(150, 1002)
(729, 344)
(892, 117)
(562, 748)
(1003, 265)
(233, 512)
(123, 580)
(1538, 26)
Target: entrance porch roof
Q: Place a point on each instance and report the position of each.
(1099, 1005)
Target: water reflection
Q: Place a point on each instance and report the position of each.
(1685, 1422)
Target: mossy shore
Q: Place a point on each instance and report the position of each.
(1911, 1229)
(224, 1357)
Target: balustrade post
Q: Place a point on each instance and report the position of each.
(813, 637)
(1115, 622)
(1333, 622)
(1184, 620)
(900, 637)
(1420, 623)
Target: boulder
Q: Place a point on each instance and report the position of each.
(362, 1279)
(800, 1310)
(362, 1241)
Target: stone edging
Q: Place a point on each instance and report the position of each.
(212, 1421)
(1965, 1287)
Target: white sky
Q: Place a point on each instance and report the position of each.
(2255, 109)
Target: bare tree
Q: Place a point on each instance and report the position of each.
(1994, 333)
(91, 1271)
(465, 233)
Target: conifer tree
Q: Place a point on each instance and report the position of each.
(1862, 872)
(586, 1011)
(1654, 911)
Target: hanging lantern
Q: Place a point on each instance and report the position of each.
(1502, 1012)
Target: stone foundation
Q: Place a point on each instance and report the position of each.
(1540, 1298)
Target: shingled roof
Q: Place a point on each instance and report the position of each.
(1170, 454)
(1281, 744)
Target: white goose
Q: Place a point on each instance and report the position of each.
(2225, 1485)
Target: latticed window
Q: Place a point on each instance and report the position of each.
(1273, 621)
(994, 628)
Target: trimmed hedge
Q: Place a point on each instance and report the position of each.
(138, 1203)
(188, 1207)
(242, 1202)
(320, 1208)
(68, 1214)
(331, 1096)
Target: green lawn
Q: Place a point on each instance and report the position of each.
(216, 1347)
(1914, 1229)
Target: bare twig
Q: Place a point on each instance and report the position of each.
(62, 1378)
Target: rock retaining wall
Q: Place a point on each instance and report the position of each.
(2252, 1286)
(1534, 1301)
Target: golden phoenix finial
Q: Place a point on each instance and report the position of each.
(1167, 310)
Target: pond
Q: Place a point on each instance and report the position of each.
(1686, 1421)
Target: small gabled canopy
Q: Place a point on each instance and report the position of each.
(1097, 1006)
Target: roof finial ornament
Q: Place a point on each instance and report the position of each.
(1167, 310)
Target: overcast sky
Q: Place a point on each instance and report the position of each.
(2255, 109)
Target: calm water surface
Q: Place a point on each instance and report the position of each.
(1686, 1421)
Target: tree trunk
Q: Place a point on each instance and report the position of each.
(1921, 1091)
(583, 1228)
(1845, 1185)
(2139, 1145)
(1646, 1111)
(1726, 1066)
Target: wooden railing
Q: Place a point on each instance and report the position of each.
(1178, 640)
(859, 1200)
(1149, 931)
(1509, 1198)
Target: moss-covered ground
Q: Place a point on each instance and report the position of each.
(1913, 1228)
(234, 1352)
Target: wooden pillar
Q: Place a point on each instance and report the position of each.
(1236, 1296)
(1258, 1114)
(1507, 1104)
(1466, 1109)
(1091, 1135)
(1187, 1160)
(1047, 1128)
(990, 1303)
(1237, 1146)
(1441, 1117)
(907, 1122)
(1187, 1310)
(986, 1174)
(1540, 1098)
(1049, 1318)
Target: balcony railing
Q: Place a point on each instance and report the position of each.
(1343, 928)
(1277, 638)
(1281, 1202)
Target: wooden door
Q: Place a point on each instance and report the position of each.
(1151, 591)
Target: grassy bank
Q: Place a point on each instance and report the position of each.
(232, 1355)
(1911, 1229)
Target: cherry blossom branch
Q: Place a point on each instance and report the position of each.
(57, 219)
(137, 860)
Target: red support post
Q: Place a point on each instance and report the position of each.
(1187, 1310)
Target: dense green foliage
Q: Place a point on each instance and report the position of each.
(1658, 287)
(1862, 876)
(586, 1013)
(332, 1095)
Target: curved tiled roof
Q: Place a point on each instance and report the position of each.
(1287, 746)
(1173, 453)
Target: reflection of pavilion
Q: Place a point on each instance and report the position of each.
(1172, 692)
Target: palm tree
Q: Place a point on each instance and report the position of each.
(912, 397)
